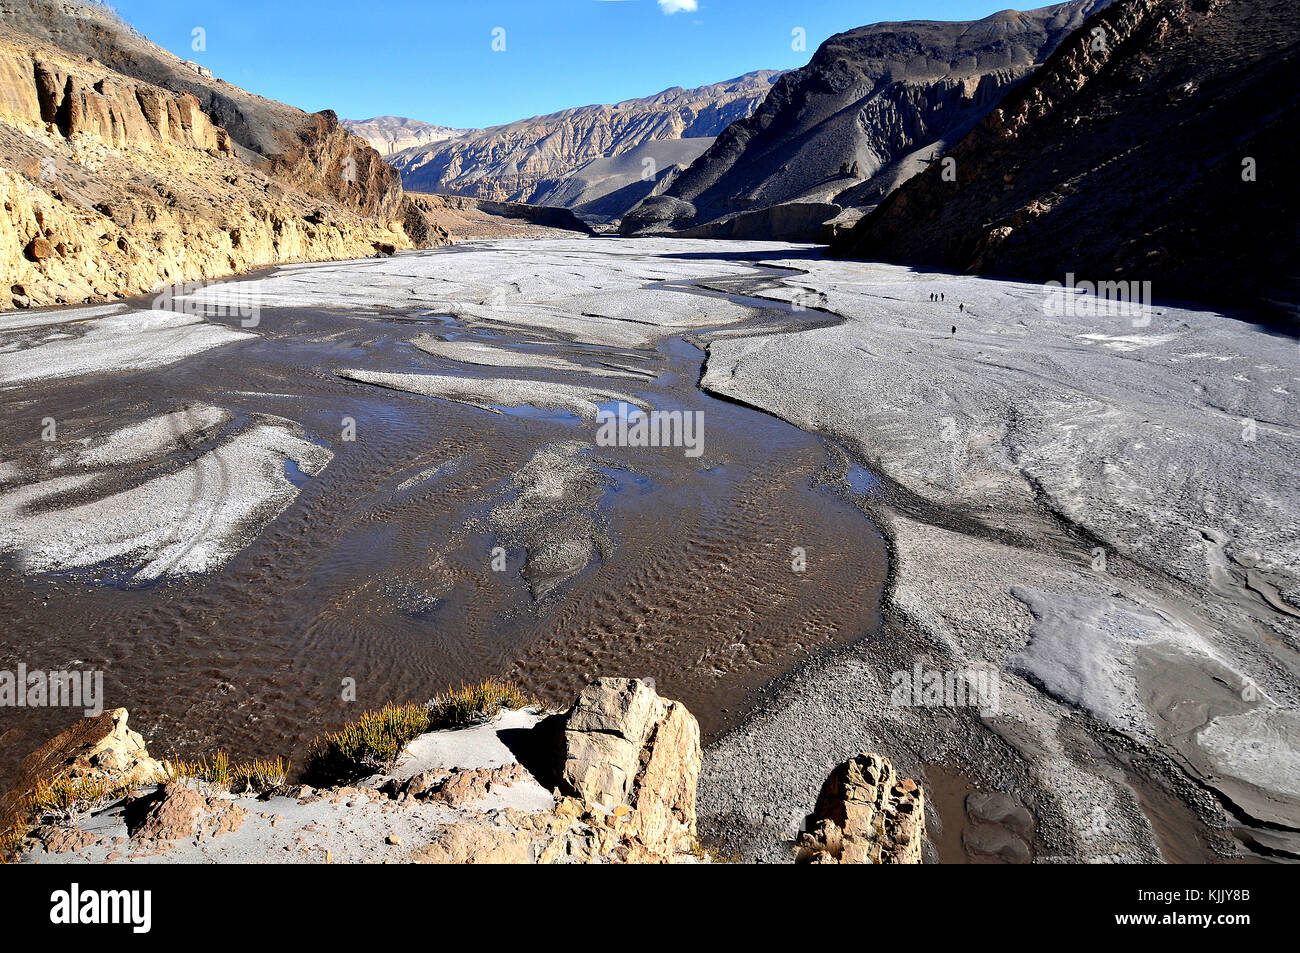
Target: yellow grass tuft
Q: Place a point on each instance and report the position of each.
(471, 704)
(372, 743)
(250, 777)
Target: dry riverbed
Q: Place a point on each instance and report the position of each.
(394, 479)
(1104, 512)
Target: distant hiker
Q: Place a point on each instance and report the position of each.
(962, 306)
(954, 330)
(940, 295)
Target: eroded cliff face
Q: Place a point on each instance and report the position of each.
(1154, 146)
(867, 112)
(112, 187)
(307, 149)
(325, 156)
(37, 92)
(526, 160)
(113, 184)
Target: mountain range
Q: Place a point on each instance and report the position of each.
(391, 134)
(1007, 145)
(597, 160)
(872, 106)
(1159, 131)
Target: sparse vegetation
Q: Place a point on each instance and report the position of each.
(62, 799)
(251, 777)
(258, 777)
(369, 744)
(372, 742)
(472, 704)
(216, 771)
(710, 855)
(11, 842)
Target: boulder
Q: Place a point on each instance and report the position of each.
(626, 747)
(865, 814)
(178, 810)
(38, 249)
(476, 844)
(102, 746)
(604, 733)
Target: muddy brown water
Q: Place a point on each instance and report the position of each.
(380, 572)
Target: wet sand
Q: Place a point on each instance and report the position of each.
(380, 567)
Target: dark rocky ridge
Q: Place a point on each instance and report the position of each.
(856, 121)
(1126, 163)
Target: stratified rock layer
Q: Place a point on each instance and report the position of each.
(124, 169)
(529, 160)
(391, 134)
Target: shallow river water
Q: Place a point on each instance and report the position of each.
(396, 568)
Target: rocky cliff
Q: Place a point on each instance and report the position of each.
(1153, 146)
(868, 111)
(530, 160)
(390, 134)
(123, 168)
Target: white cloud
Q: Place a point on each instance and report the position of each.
(669, 7)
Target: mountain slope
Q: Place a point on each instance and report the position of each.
(862, 116)
(391, 134)
(527, 160)
(123, 168)
(308, 149)
(1127, 162)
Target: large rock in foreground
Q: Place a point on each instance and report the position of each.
(101, 747)
(866, 814)
(624, 746)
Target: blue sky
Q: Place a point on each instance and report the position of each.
(433, 59)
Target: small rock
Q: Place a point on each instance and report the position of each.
(38, 249)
